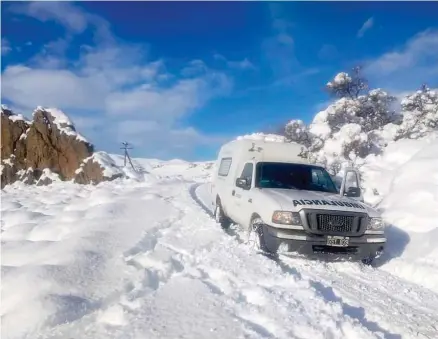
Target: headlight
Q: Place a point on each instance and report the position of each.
(286, 218)
(375, 224)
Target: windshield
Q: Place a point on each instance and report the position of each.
(293, 176)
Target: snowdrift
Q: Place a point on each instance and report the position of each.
(406, 177)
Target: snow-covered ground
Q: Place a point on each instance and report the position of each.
(142, 258)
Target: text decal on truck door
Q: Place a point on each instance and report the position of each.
(327, 203)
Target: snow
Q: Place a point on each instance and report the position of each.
(144, 259)
(320, 129)
(13, 117)
(62, 122)
(48, 175)
(263, 136)
(107, 163)
(406, 175)
(24, 135)
(172, 169)
(340, 79)
(8, 161)
(17, 117)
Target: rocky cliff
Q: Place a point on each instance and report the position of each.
(49, 148)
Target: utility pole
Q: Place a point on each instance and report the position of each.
(125, 147)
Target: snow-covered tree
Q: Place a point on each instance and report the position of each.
(376, 109)
(347, 86)
(297, 131)
(350, 127)
(361, 122)
(331, 120)
(420, 114)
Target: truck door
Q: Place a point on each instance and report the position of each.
(350, 186)
(242, 194)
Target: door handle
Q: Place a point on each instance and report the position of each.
(233, 192)
(250, 200)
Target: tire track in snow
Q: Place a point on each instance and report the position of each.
(257, 299)
(155, 264)
(254, 301)
(361, 300)
(385, 299)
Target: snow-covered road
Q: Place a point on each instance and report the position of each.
(145, 260)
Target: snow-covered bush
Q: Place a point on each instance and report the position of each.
(361, 122)
(420, 114)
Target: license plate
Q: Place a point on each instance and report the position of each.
(337, 241)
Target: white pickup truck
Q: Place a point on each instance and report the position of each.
(287, 204)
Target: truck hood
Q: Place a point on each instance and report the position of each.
(295, 200)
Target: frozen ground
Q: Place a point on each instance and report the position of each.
(141, 258)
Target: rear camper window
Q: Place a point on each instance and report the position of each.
(224, 167)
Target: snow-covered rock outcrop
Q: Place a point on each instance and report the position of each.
(47, 148)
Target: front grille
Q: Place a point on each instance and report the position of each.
(335, 223)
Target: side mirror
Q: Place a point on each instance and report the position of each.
(243, 183)
(350, 186)
(353, 192)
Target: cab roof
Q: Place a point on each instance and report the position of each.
(261, 150)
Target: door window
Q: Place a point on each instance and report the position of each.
(247, 172)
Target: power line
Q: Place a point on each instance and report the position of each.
(125, 147)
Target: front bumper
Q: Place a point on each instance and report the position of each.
(313, 245)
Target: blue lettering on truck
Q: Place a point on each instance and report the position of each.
(328, 203)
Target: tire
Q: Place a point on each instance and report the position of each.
(256, 235)
(220, 217)
(368, 261)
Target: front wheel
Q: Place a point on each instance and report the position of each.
(368, 261)
(220, 216)
(256, 237)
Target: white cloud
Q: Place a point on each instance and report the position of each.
(421, 48)
(6, 48)
(414, 63)
(367, 25)
(164, 142)
(278, 49)
(244, 64)
(167, 104)
(195, 67)
(111, 81)
(64, 13)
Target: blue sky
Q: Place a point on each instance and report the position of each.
(178, 79)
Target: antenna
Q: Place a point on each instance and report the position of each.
(125, 147)
(253, 148)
